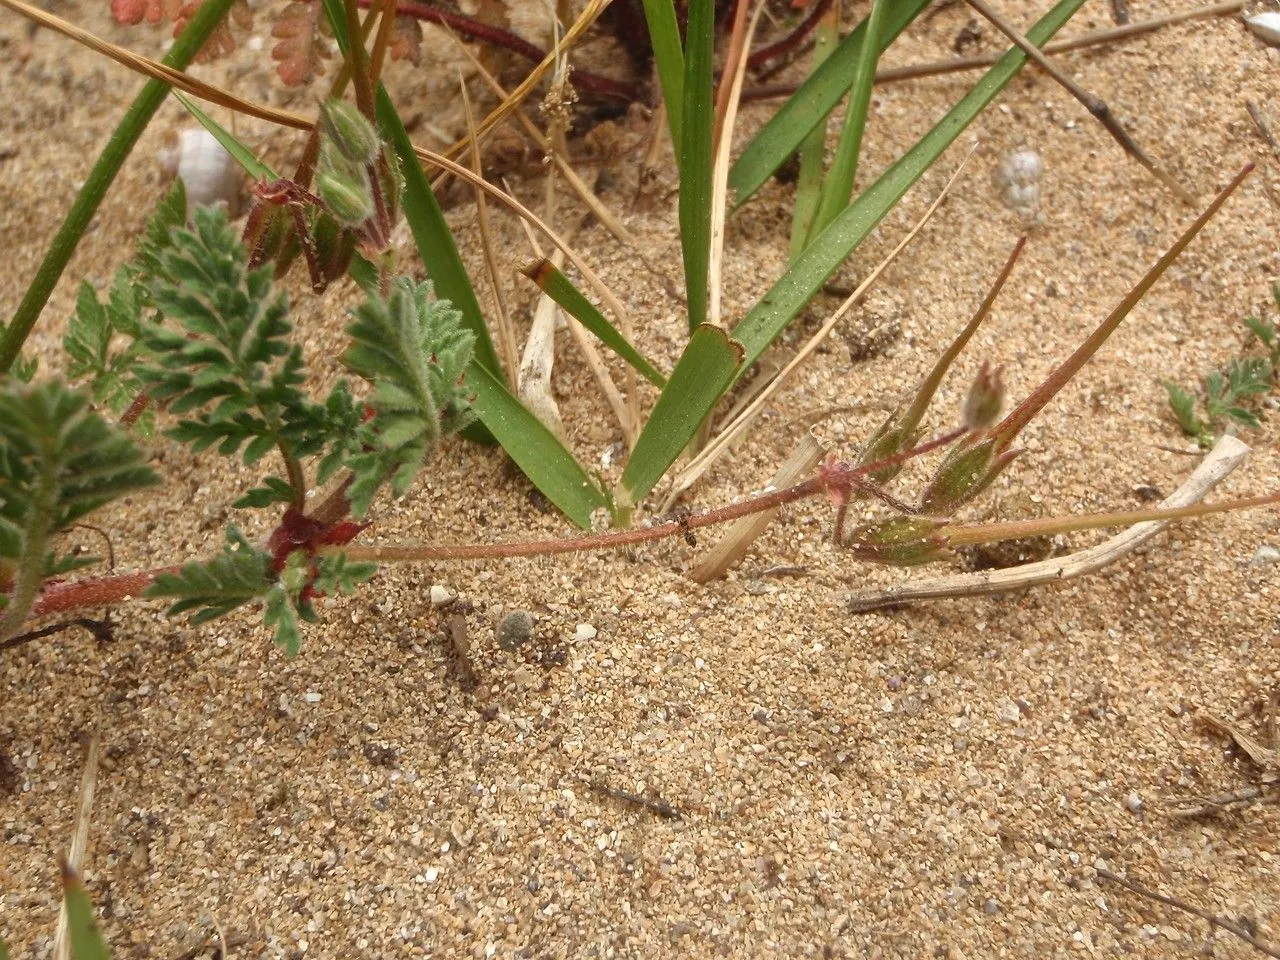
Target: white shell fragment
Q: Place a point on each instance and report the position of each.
(1018, 179)
(209, 173)
(1265, 26)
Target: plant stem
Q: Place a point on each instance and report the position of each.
(100, 178)
(35, 544)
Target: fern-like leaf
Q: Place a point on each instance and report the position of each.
(336, 575)
(279, 614)
(213, 588)
(300, 52)
(1184, 409)
(414, 351)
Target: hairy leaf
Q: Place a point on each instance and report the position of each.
(336, 575)
(414, 351)
(279, 614)
(1184, 409)
(212, 588)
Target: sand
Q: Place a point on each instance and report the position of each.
(939, 780)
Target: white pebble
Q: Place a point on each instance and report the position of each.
(440, 595)
(1134, 803)
(1019, 181)
(1266, 27)
(311, 696)
(1264, 555)
(207, 171)
(584, 631)
(1009, 712)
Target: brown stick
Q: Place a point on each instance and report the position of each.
(959, 65)
(1094, 104)
(1262, 946)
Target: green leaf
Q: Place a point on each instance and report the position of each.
(559, 288)
(431, 233)
(1242, 416)
(668, 57)
(826, 252)
(695, 150)
(809, 106)
(275, 491)
(1264, 332)
(706, 368)
(87, 942)
(534, 448)
(279, 615)
(1184, 408)
(1249, 376)
(838, 187)
(813, 148)
(334, 574)
(239, 152)
(414, 351)
(215, 587)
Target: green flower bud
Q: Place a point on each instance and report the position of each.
(965, 472)
(345, 190)
(900, 541)
(986, 398)
(347, 129)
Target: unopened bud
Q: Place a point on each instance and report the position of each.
(344, 188)
(986, 398)
(963, 474)
(347, 129)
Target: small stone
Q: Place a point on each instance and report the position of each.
(1009, 712)
(1265, 554)
(583, 632)
(991, 906)
(525, 678)
(514, 630)
(1134, 803)
(311, 696)
(441, 595)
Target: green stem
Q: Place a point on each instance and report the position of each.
(100, 178)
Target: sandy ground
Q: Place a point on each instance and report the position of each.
(941, 780)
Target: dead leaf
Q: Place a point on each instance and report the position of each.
(299, 51)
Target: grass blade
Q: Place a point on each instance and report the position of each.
(109, 162)
(86, 941)
(807, 107)
(838, 187)
(696, 157)
(813, 149)
(794, 289)
(534, 448)
(239, 152)
(664, 36)
(559, 288)
(706, 368)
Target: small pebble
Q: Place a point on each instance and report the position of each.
(1134, 803)
(311, 696)
(1019, 181)
(525, 678)
(1009, 712)
(440, 595)
(514, 630)
(991, 906)
(1264, 555)
(584, 631)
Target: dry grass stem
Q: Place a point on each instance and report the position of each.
(717, 447)
(735, 541)
(1095, 105)
(1264, 757)
(79, 837)
(506, 335)
(1226, 455)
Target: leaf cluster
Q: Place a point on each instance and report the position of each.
(1227, 393)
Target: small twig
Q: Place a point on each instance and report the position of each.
(958, 65)
(1228, 454)
(660, 807)
(1193, 808)
(1259, 121)
(1095, 105)
(232, 939)
(80, 837)
(106, 538)
(101, 630)
(1212, 919)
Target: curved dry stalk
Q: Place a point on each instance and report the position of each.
(534, 382)
(717, 447)
(1225, 457)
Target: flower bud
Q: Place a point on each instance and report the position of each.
(344, 189)
(347, 129)
(986, 398)
(963, 474)
(900, 541)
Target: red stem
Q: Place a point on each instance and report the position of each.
(94, 592)
(583, 79)
(791, 40)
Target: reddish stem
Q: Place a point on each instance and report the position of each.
(67, 595)
(468, 27)
(791, 40)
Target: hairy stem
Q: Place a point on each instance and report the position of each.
(100, 178)
(35, 544)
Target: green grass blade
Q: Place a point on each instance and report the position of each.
(664, 36)
(432, 235)
(793, 290)
(813, 150)
(534, 448)
(239, 152)
(559, 288)
(108, 164)
(708, 365)
(697, 119)
(807, 107)
(838, 187)
(86, 941)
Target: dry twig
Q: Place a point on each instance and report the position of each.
(1231, 926)
(1226, 455)
(80, 837)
